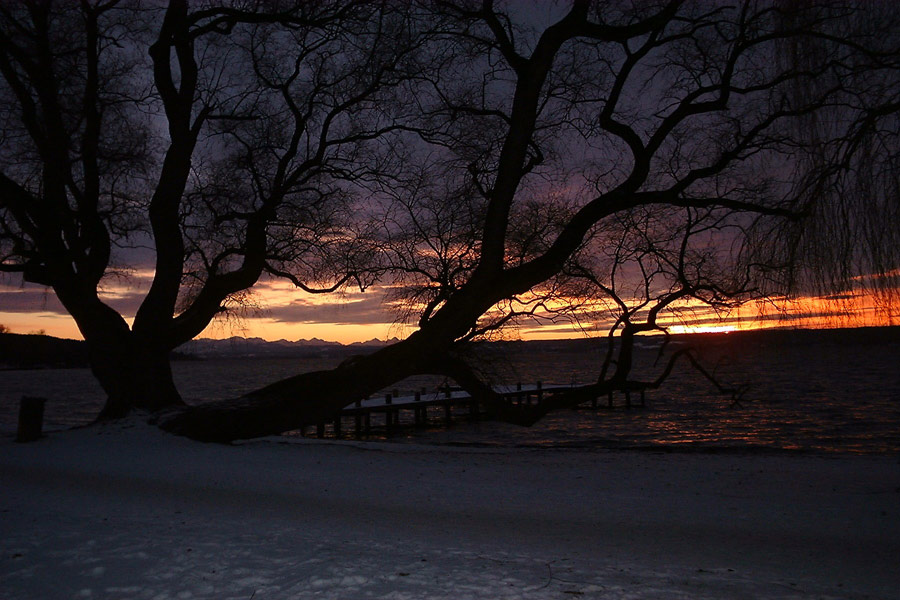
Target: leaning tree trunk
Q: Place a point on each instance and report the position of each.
(302, 400)
(311, 398)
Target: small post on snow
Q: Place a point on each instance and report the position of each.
(31, 419)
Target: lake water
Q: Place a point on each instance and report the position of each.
(807, 391)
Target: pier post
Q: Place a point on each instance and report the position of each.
(357, 419)
(420, 411)
(593, 401)
(388, 413)
(31, 419)
(519, 395)
(337, 426)
(609, 400)
(642, 399)
(448, 412)
(320, 430)
(540, 392)
(627, 399)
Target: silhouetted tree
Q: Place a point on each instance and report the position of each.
(651, 263)
(544, 128)
(225, 136)
(850, 177)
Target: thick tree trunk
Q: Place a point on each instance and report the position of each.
(132, 369)
(133, 375)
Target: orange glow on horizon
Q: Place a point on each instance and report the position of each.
(811, 312)
(278, 311)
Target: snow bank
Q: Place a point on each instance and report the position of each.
(125, 511)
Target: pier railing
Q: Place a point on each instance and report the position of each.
(440, 407)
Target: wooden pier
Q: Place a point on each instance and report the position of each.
(441, 407)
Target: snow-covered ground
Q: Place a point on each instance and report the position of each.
(126, 511)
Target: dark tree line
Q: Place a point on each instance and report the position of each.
(489, 163)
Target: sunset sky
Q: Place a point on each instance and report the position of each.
(276, 310)
(581, 163)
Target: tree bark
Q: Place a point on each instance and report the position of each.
(133, 375)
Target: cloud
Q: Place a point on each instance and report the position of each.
(839, 297)
(126, 303)
(281, 304)
(29, 301)
(33, 299)
(356, 309)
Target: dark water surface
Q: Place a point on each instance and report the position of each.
(835, 391)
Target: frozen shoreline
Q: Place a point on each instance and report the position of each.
(125, 511)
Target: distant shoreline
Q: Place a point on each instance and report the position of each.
(32, 351)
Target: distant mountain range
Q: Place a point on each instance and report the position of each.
(18, 351)
(258, 347)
